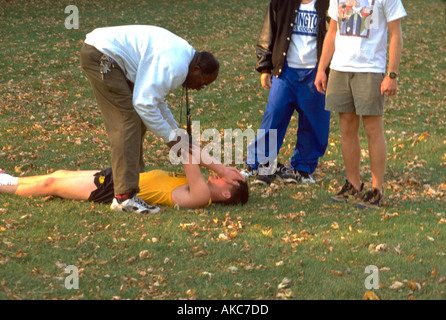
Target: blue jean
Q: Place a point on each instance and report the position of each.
(294, 90)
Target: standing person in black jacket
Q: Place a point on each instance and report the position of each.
(288, 51)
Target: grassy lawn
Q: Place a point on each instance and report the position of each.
(288, 242)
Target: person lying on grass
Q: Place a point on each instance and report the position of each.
(186, 190)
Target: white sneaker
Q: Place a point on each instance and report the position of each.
(134, 204)
(304, 177)
(7, 179)
(248, 172)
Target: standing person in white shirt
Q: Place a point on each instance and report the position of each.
(131, 70)
(356, 44)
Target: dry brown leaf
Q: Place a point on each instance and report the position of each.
(413, 285)
(20, 254)
(337, 272)
(370, 295)
(201, 253)
(396, 285)
(284, 283)
(131, 260)
(144, 254)
(434, 273)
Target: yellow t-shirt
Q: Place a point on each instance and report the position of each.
(156, 186)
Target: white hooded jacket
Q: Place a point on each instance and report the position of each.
(155, 60)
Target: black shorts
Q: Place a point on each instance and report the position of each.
(105, 191)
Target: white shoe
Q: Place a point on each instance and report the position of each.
(304, 177)
(248, 172)
(7, 179)
(134, 204)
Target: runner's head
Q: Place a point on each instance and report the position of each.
(227, 194)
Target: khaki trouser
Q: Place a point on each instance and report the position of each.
(125, 129)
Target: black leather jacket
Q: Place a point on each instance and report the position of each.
(275, 36)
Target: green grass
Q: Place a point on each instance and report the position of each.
(49, 121)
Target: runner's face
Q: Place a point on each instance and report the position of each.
(219, 182)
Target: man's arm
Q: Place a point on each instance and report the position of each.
(265, 42)
(153, 83)
(198, 194)
(264, 47)
(327, 53)
(389, 86)
(230, 174)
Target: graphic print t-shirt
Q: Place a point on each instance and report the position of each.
(302, 50)
(361, 41)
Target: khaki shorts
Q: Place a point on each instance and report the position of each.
(355, 92)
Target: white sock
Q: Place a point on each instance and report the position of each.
(8, 180)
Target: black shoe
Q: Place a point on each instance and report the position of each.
(265, 180)
(265, 175)
(371, 199)
(248, 172)
(347, 191)
(285, 173)
(304, 177)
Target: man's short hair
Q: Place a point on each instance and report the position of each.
(207, 62)
(239, 194)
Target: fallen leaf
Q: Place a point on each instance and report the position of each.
(20, 254)
(144, 254)
(207, 274)
(268, 232)
(284, 283)
(413, 285)
(223, 236)
(233, 269)
(434, 273)
(370, 295)
(201, 253)
(131, 260)
(284, 294)
(396, 285)
(337, 272)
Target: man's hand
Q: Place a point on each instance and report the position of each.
(231, 175)
(170, 144)
(388, 86)
(265, 79)
(321, 81)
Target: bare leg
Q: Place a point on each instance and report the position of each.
(373, 126)
(76, 185)
(57, 174)
(350, 146)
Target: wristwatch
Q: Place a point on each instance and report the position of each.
(392, 75)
